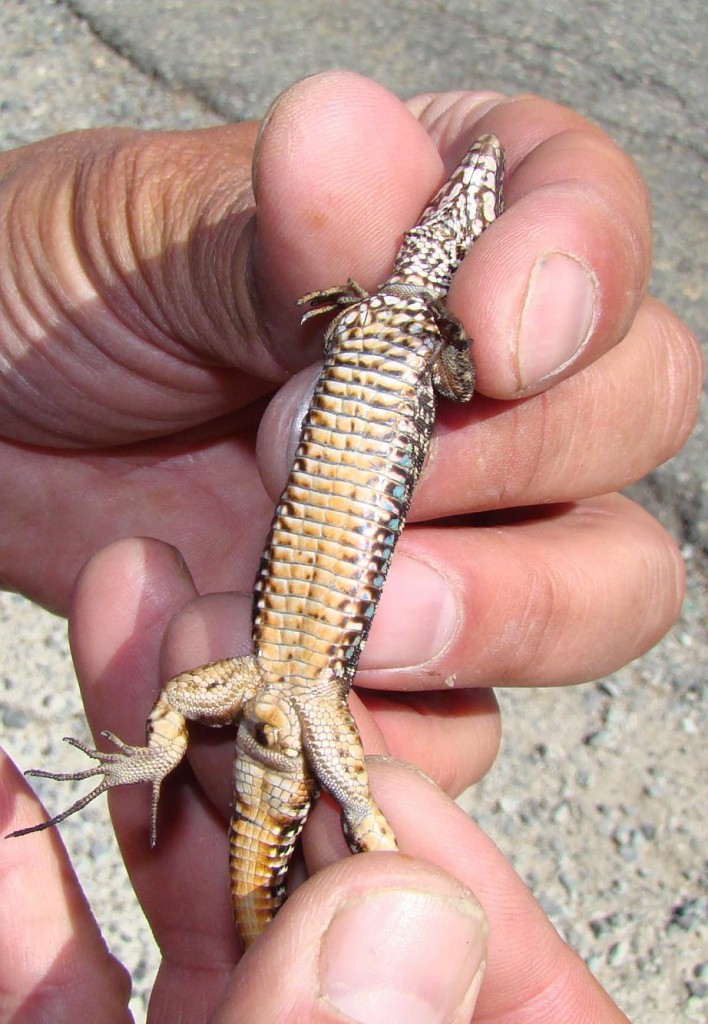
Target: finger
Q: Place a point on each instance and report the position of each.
(123, 602)
(549, 298)
(375, 937)
(402, 935)
(551, 600)
(531, 974)
(555, 597)
(452, 735)
(53, 961)
(545, 291)
(342, 170)
(598, 432)
(559, 599)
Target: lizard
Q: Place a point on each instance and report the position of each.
(363, 444)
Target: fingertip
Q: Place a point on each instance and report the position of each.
(678, 374)
(279, 430)
(416, 954)
(325, 129)
(377, 937)
(531, 973)
(128, 567)
(343, 170)
(549, 298)
(207, 629)
(121, 603)
(51, 951)
(452, 736)
(558, 279)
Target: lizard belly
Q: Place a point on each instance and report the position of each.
(361, 450)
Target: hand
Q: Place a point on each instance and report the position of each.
(173, 312)
(377, 937)
(149, 310)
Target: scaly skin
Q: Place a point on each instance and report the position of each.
(362, 447)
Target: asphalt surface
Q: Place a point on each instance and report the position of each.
(605, 816)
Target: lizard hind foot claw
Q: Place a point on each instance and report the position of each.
(77, 806)
(124, 766)
(331, 300)
(106, 768)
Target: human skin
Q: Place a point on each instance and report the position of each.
(146, 317)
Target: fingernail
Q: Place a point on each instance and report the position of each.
(267, 118)
(397, 955)
(556, 319)
(416, 618)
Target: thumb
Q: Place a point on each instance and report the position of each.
(342, 169)
(531, 974)
(376, 938)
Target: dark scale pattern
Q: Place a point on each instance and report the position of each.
(355, 470)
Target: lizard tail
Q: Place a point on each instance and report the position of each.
(269, 815)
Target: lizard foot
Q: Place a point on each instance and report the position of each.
(331, 300)
(368, 831)
(119, 768)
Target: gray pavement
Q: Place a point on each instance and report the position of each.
(598, 794)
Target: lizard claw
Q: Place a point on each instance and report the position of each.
(125, 766)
